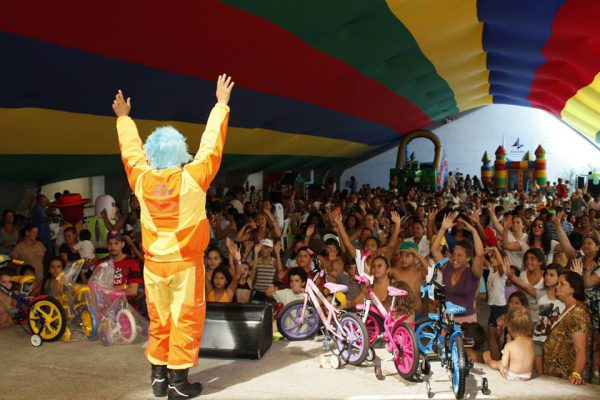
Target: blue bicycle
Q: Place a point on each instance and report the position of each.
(440, 338)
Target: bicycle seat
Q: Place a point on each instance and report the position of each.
(392, 291)
(452, 308)
(23, 279)
(334, 287)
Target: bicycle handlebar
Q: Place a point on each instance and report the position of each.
(12, 260)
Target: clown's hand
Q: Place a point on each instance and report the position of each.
(224, 86)
(120, 106)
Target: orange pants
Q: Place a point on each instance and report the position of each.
(177, 309)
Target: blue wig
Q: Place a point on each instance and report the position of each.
(166, 148)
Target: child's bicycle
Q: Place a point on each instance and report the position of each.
(300, 319)
(76, 301)
(381, 323)
(440, 338)
(116, 321)
(398, 335)
(42, 317)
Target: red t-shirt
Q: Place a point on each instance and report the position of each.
(126, 271)
(561, 191)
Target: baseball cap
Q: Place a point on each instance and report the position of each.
(115, 235)
(405, 246)
(267, 242)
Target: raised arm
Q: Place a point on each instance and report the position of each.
(336, 217)
(563, 241)
(431, 223)
(278, 264)
(436, 248)
(132, 148)
(206, 162)
(506, 243)
(478, 257)
(495, 222)
(520, 283)
(393, 240)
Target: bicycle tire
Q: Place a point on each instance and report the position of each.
(459, 367)
(404, 337)
(48, 332)
(355, 350)
(290, 313)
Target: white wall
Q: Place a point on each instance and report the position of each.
(465, 140)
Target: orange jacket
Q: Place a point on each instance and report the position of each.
(175, 231)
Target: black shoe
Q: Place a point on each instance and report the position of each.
(160, 380)
(180, 388)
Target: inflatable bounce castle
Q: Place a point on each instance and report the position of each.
(513, 175)
(426, 176)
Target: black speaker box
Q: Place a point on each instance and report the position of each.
(237, 330)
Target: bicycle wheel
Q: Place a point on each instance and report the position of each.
(47, 318)
(374, 325)
(425, 335)
(407, 359)
(89, 322)
(459, 367)
(127, 325)
(354, 348)
(288, 321)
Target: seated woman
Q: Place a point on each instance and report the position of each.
(461, 277)
(566, 348)
(462, 274)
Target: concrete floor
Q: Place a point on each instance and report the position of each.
(87, 370)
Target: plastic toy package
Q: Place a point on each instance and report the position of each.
(119, 322)
(82, 321)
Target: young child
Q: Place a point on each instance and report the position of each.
(496, 296)
(298, 279)
(6, 302)
(519, 355)
(55, 267)
(243, 292)
(28, 270)
(549, 307)
(410, 269)
(221, 287)
(517, 299)
(85, 247)
(265, 268)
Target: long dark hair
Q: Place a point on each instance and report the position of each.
(546, 239)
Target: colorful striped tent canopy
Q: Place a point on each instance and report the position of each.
(318, 82)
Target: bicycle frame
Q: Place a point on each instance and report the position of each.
(312, 292)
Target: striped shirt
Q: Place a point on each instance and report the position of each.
(265, 275)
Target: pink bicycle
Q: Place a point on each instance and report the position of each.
(301, 319)
(399, 335)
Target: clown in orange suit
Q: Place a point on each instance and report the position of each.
(171, 187)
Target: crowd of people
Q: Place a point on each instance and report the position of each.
(531, 261)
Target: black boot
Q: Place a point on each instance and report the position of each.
(180, 388)
(160, 380)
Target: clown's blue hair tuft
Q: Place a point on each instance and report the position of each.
(166, 148)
